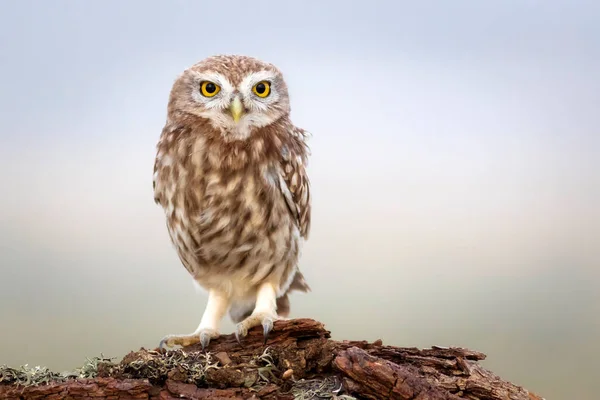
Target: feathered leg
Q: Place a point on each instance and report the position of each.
(215, 310)
(265, 312)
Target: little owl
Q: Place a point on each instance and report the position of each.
(230, 176)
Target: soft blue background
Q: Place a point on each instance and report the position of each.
(455, 173)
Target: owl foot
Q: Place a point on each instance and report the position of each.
(261, 318)
(203, 337)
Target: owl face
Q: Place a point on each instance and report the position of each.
(236, 94)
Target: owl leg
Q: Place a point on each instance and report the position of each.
(265, 313)
(216, 307)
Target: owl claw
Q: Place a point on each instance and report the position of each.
(161, 345)
(204, 339)
(237, 337)
(171, 340)
(240, 332)
(267, 324)
(264, 319)
(206, 335)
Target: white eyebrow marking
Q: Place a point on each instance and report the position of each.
(255, 77)
(214, 77)
(221, 100)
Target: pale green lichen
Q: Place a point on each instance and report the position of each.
(157, 366)
(264, 365)
(319, 388)
(191, 368)
(33, 376)
(90, 367)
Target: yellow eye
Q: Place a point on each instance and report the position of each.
(262, 89)
(209, 89)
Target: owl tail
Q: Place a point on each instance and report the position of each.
(298, 284)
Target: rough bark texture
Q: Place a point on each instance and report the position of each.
(299, 361)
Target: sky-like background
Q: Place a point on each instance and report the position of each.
(455, 174)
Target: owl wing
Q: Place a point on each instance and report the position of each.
(154, 178)
(295, 186)
(158, 195)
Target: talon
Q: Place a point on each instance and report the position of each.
(267, 324)
(164, 343)
(240, 332)
(204, 339)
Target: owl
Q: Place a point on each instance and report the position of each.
(230, 175)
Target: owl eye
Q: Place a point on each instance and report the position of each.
(262, 89)
(209, 89)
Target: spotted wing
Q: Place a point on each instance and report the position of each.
(295, 185)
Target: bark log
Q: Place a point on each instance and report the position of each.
(300, 361)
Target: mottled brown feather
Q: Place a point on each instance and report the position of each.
(236, 210)
(296, 179)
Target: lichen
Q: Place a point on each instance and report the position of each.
(189, 367)
(158, 366)
(38, 375)
(265, 365)
(319, 388)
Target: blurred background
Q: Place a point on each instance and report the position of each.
(455, 174)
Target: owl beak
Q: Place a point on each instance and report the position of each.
(236, 109)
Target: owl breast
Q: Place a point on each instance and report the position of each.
(230, 226)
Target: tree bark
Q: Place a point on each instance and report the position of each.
(300, 361)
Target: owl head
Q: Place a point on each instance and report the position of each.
(235, 94)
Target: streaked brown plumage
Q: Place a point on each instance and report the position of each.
(230, 176)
